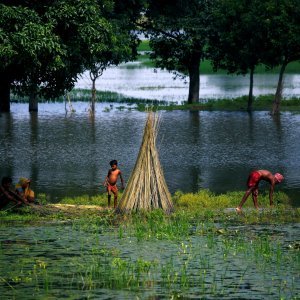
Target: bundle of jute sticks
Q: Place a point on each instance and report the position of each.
(146, 188)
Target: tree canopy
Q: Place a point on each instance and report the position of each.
(178, 32)
(248, 33)
(45, 46)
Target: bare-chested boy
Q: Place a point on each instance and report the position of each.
(111, 182)
(253, 180)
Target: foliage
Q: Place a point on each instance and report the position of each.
(178, 35)
(282, 21)
(238, 37)
(248, 33)
(45, 47)
(120, 46)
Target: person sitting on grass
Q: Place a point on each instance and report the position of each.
(7, 195)
(23, 190)
(253, 180)
(111, 182)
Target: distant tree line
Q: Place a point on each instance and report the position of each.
(46, 45)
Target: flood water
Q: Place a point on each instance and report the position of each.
(133, 80)
(69, 154)
(77, 262)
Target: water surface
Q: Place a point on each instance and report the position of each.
(78, 262)
(133, 80)
(68, 155)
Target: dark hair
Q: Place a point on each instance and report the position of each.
(113, 162)
(6, 180)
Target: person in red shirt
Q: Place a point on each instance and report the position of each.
(253, 180)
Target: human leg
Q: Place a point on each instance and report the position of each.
(254, 197)
(115, 201)
(115, 192)
(108, 195)
(245, 197)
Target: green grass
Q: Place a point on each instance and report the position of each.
(189, 207)
(236, 104)
(144, 46)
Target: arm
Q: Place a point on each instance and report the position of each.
(19, 197)
(271, 193)
(122, 180)
(7, 195)
(12, 196)
(106, 179)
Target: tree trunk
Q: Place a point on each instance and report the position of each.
(93, 95)
(194, 74)
(250, 97)
(278, 95)
(33, 102)
(4, 94)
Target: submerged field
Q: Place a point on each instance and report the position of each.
(203, 250)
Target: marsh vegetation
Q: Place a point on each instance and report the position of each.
(202, 250)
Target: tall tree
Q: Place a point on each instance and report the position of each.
(238, 38)
(121, 45)
(282, 20)
(46, 45)
(23, 39)
(178, 32)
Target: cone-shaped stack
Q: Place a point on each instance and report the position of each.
(147, 188)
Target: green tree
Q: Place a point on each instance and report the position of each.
(121, 45)
(238, 38)
(23, 39)
(45, 46)
(282, 18)
(178, 32)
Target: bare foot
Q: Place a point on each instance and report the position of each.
(238, 210)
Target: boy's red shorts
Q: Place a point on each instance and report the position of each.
(112, 188)
(253, 179)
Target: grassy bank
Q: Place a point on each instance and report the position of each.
(122, 102)
(189, 207)
(260, 103)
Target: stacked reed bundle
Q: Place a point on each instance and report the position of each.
(146, 188)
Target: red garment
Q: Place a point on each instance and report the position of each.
(112, 188)
(253, 179)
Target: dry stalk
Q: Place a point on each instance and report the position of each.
(146, 188)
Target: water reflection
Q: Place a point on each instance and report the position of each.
(145, 83)
(69, 155)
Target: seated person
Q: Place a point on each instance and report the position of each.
(23, 189)
(7, 195)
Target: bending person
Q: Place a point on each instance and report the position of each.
(253, 180)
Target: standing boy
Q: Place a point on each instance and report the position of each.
(111, 182)
(253, 180)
